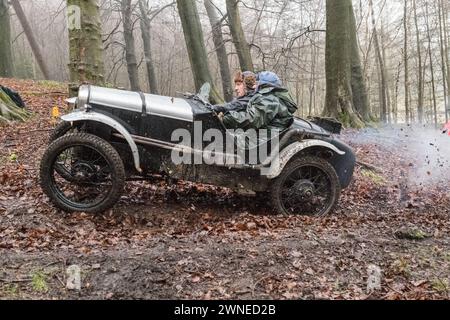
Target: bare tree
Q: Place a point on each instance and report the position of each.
(386, 74)
(86, 48)
(312, 82)
(193, 34)
(6, 61)
(447, 56)
(31, 38)
(420, 84)
(359, 89)
(240, 43)
(405, 62)
(396, 93)
(382, 70)
(433, 85)
(443, 55)
(339, 94)
(130, 51)
(147, 41)
(221, 51)
(284, 36)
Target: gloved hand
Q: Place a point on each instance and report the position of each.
(219, 108)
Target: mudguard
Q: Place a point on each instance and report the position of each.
(82, 115)
(290, 151)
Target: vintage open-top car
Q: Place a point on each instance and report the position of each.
(113, 136)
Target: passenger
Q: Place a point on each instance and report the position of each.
(245, 85)
(271, 107)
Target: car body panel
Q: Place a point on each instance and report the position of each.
(167, 107)
(81, 115)
(145, 123)
(309, 127)
(292, 150)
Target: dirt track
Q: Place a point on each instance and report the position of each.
(195, 241)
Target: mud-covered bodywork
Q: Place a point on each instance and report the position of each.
(345, 163)
(141, 126)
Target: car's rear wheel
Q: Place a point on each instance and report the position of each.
(307, 186)
(91, 182)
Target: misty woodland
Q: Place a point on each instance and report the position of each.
(380, 60)
(92, 205)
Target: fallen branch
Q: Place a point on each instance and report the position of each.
(38, 130)
(15, 281)
(60, 281)
(369, 166)
(36, 93)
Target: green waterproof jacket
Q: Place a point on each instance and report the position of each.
(270, 108)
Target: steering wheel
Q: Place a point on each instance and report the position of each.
(202, 97)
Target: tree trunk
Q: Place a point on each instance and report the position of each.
(419, 57)
(9, 111)
(237, 33)
(221, 51)
(447, 59)
(130, 51)
(386, 77)
(31, 39)
(359, 89)
(405, 57)
(382, 72)
(195, 45)
(299, 88)
(433, 86)
(395, 104)
(6, 61)
(443, 56)
(146, 39)
(86, 47)
(312, 80)
(339, 96)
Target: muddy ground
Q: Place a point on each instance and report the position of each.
(201, 242)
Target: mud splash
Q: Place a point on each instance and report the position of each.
(427, 151)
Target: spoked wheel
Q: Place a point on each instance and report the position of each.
(60, 130)
(92, 181)
(307, 186)
(63, 128)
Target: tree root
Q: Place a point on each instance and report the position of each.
(9, 111)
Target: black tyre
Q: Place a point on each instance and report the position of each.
(96, 180)
(63, 128)
(60, 130)
(307, 186)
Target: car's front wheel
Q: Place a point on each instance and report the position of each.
(63, 128)
(307, 186)
(60, 130)
(92, 181)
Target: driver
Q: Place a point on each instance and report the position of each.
(245, 85)
(271, 107)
